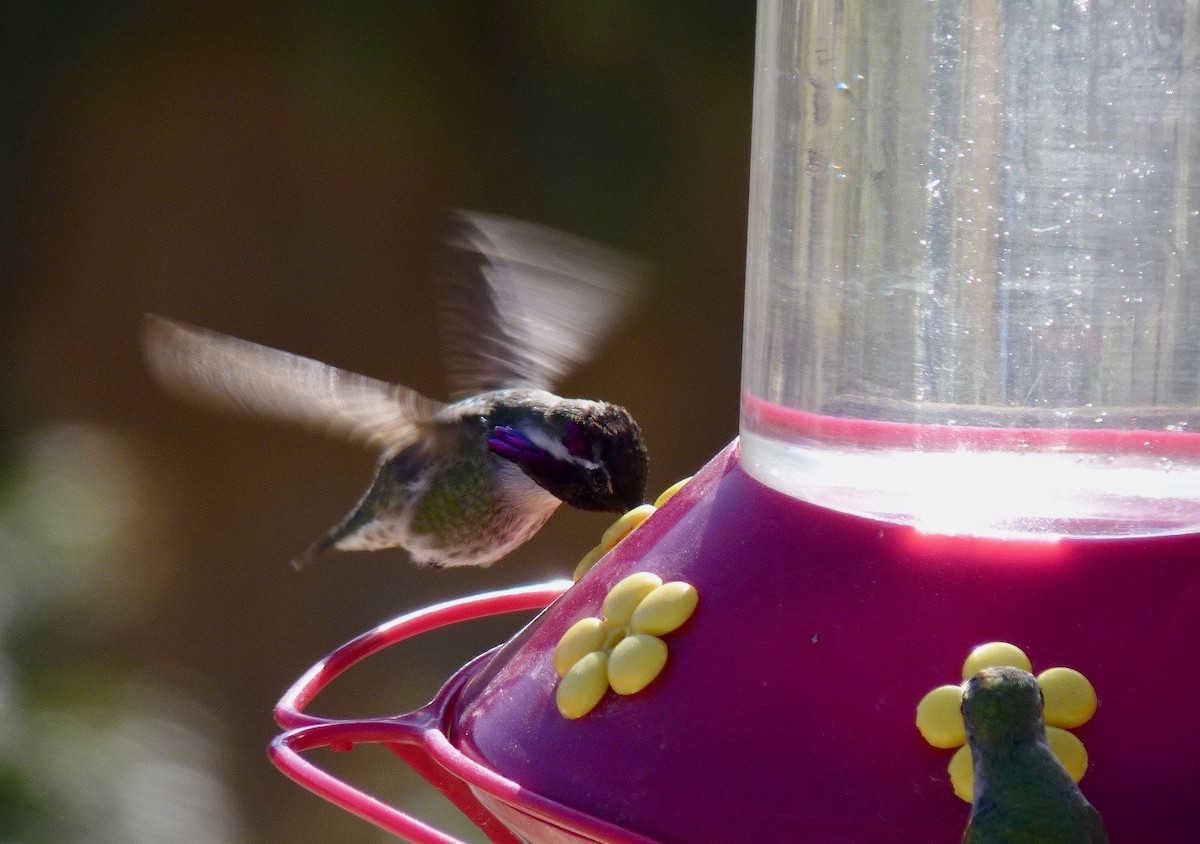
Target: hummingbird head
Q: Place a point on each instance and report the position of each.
(1002, 706)
(589, 454)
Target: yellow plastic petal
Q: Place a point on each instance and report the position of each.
(664, 609)
(623, 598)
(635, 662)
(625, 525)
(939, 717)
(669, 492)
(1069, 750)
(962, 774)
(1070, 697)
(993, 655)
(581, 638)
(589, 559)
(583, 686)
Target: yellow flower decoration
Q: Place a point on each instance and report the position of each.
(624, 526)
(622, 650)
(1070, 701)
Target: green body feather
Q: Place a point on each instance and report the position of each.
(1023, 795)
(1028, 798)
(458, 501)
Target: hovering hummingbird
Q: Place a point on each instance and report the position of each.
(1023, 795)
(465, 482)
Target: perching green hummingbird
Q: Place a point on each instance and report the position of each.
(1023, 795)
(466, 482)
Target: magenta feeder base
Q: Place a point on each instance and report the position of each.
(785, 710)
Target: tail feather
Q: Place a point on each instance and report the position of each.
(345, 535)
(306, 557)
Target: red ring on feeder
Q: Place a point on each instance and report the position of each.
(419, 739)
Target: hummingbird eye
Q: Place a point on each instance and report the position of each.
(599, 480)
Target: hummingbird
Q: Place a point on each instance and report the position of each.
(462, 482)
(1023, 795)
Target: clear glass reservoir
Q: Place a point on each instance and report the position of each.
(973, 294)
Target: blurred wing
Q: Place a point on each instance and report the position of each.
(524, 305)
(261, 381)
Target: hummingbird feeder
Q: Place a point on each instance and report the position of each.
(970, 392)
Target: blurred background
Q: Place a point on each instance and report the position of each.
(276, 171)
